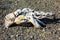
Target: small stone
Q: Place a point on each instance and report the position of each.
(38, 2)
(21, 34)
(59, 38)
(58, 28)
(59, 12)
(17, 35)
(0, 25)
(43, 30)
(28, 30)
(31, 36)
(12, 36)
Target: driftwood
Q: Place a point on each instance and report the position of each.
(26, 15)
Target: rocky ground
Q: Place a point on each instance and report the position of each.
(50, 32)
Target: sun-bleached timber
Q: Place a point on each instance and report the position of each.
(26, 15)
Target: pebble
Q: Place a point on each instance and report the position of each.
(17, 35)
(28, 30)
(43, 30)
(58, 28)
(59, 38)
(0, 25)
(31, 36)
(12, 36)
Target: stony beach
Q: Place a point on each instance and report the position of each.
(50, 32)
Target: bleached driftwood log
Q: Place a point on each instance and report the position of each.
(26, 15)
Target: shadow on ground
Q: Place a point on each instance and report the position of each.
(44, 20)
